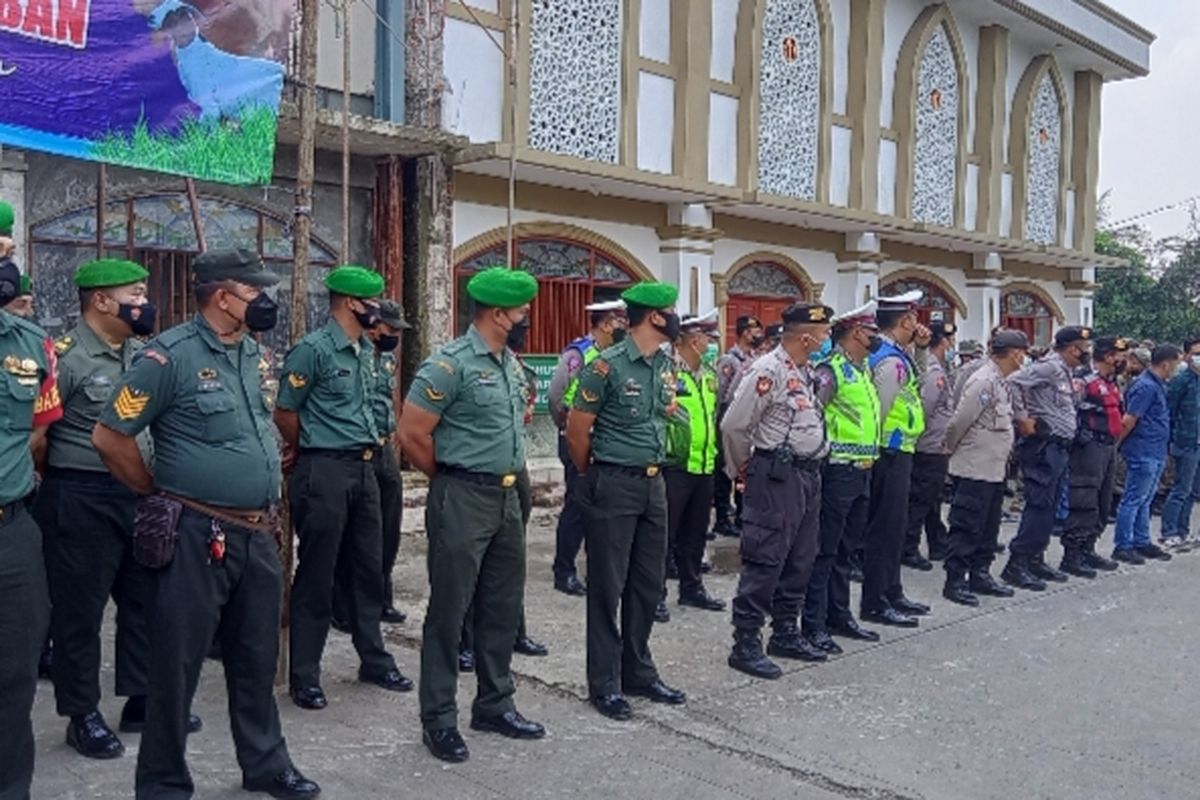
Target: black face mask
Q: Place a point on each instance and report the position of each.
(517, 335)
(758, 341)
(10, 280)
(618, 335)
(261, 314)
(671, 328)
(143, 325)
(874, 343)
(387, 342)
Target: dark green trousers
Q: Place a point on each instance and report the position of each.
(525, 495)
(335, 506)
(237, 599)
(24, 616)
(391, 505)
(476, 550)
(626, 519)
(87, 521)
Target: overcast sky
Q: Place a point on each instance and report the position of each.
(1150, 145)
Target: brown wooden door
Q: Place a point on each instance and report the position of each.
(769, 311)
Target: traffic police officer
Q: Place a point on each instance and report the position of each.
(979, 437)
(774, 436)
(325, 413)
(847, 394)
(463, 425)
(86, 515)
(608, 328)
(197, 388)
(902, 423)
(930, 460)
(24, 598)
(1093, 460)
(1044, 406)
(386, 338)
(617, 433)
(691, 458)
(730, 368)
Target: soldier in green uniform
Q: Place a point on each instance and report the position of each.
(22, 304)
(216, 476)
(463, 426)
(386, 338)
(617, 435)
(86, 514)
(24, 599)
(325, 415)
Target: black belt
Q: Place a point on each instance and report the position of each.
(505, 480)
(364, 453)
(790, 456)
(90, 476)
(1061, 441)
(648, 471)
(8, 511)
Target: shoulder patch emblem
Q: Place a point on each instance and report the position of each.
(434, 395)
(155, 355)
(941, 382)
(445, 365)
(129, 405)
(764, 385)
(589, 396)
(207, 374)
(727, 370)
(389, 367)
(297, 381)
(600, 367)
(793, 384)
(64, 344)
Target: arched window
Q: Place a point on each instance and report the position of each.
(570, 275)
(761, 289)
(1025, 311)
(157, 232)
(935, 305)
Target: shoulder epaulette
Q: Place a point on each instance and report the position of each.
(62, 345)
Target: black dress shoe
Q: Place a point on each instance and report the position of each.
(747, 655)
(392, 616)
(340, 625)
(310, 698)
(661, 614)
(726, 528)
(793, 645)
(824, 642)
(659, 692)
(982, 582)
(570, 585)
(1099, 562)
(957, 592)
(446, 744)
(889, 616)
(613, 706)
(510, 724)
(1128, 557)
(701, 599)
(91, 737)
(287, 784)
(1153, 552)
(916, 561)
(133, 717)
(466, 660)
(850, 629)
(528, 647)
(1043, 571)
(910, 607)
(391, 680)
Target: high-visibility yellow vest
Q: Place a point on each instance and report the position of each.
(692, 436)
(587, 347)
(906, 420)
(852, 415)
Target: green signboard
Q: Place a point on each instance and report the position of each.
(544, 367)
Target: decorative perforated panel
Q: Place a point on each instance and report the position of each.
(935, 163)
(1045, 157)
(790, 107)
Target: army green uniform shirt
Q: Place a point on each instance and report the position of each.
(631, 396)
(480, 398)
(202, 401)
(383, 399)
(88, 369)
(23, 367)
(330, 381)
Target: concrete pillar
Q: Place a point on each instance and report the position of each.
(686, 245)
(984, 287)
(1080, 292)
(858, 273)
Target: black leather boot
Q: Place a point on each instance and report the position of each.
(1016, 573)
(1043, 571)
(982, 582)
(1096, 561)
(956, 590)
(1073, 563)
(786, 642)
(747, 655)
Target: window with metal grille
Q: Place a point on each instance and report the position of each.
(935, 305)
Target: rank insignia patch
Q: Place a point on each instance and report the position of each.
(129, 405)
(297, 381)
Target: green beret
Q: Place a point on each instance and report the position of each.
(392, 314)
(353, 281)
(26, 286)
(500, 287)
(6, 218)
(105, 272)
(241, 266)
(651, 294)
